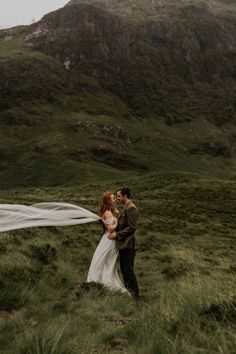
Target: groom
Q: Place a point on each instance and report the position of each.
(126, 240)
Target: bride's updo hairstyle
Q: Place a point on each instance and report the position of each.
(106, 204)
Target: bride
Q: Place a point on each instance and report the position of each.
(103, 265)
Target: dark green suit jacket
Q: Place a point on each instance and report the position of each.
(126, 228)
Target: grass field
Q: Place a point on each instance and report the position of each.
(185, 266)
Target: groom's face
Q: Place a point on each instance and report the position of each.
(120, 198)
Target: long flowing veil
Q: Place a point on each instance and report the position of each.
(18, 216)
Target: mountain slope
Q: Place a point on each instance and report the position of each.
(105, 87)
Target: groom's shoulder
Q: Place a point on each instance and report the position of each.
(131, 205)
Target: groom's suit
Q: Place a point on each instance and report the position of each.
(126, 228)
(126, 241)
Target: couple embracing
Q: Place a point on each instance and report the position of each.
(119, 238)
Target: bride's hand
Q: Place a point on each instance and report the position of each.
(112, 236)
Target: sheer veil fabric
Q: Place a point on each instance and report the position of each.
(18, 216)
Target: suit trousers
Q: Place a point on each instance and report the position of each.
(127, 256)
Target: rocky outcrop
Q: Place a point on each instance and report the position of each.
(107, 129)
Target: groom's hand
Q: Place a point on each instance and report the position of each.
(112, 236)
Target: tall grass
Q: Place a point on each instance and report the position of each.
(185, 267)
(184, 320)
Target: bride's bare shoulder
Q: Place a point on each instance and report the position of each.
(107, 215)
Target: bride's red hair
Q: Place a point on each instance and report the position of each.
(106, 204)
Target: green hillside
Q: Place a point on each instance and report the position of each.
(88, 93)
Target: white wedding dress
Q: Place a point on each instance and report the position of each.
(103, 265)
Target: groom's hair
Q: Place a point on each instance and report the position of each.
(125, 191)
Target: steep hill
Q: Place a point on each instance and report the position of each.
(100, 88)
